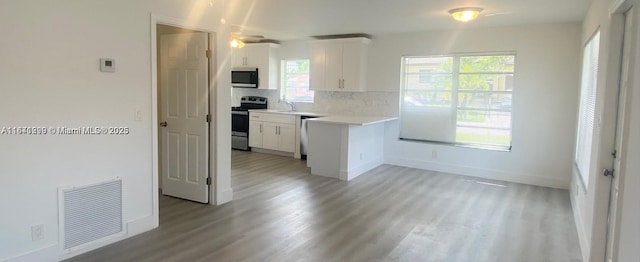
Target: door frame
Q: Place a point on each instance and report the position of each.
(219, 190)
(607, 109)
(621, 9)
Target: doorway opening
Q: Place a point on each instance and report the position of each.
(184, 115)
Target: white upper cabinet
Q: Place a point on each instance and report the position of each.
(339, 64)
(261, 56)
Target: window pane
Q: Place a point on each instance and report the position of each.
(421, 98)
(496, 101)
(486, 82)
(483, 136)
(487, 63)
(484, 127)
(486, 119)
(297, 66)
(298, 81)
(586, 117)
(470, 103)
(295, 80)
(428, 81)
(428, 65)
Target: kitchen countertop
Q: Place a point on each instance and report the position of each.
(353, 120)
(332, 119)
(285, 112)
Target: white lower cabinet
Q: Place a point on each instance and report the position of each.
(272, 131)
(255, 133)
(286, 138)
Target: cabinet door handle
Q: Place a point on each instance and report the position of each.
(277, 130)
(260, 128)
(342, 83)
(339, 83)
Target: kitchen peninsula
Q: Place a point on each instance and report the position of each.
(345, 147)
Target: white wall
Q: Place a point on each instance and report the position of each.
(50, 77)
(544, 101)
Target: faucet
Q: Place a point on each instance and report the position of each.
(292, 104)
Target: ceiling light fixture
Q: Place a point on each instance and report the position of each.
(236, 43)
(465, 14)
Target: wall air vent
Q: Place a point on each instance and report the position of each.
(90, 213)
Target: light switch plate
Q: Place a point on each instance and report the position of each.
(137, 114)
(107, 65)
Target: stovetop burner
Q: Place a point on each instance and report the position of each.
(251, 102)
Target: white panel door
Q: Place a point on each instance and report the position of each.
(183, 105)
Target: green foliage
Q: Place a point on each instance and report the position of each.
(482, 64)
(297, 66)
(488, 139)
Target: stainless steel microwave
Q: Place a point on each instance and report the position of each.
(244, 77)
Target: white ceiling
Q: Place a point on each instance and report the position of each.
(296, 19)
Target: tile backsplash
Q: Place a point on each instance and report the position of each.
(339, 103)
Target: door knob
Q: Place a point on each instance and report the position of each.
(163, 124)
(607, 172)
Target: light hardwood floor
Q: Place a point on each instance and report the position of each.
(281, 213)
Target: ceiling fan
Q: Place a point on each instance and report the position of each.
(499, 13)
(238, 38)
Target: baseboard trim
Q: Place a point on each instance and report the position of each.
(361, 169)
(225, 196)
(585, 248)
(479, 172)
(273, 152)
(55, 252)
(45, 254)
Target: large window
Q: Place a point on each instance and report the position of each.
(586, 117)
(295, 80)
(458, 99)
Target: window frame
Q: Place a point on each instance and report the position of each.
(455, 74)
(283, 81)
(580, 155)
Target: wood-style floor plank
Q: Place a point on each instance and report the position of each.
(282, 213)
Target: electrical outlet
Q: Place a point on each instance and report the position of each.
(37, 232)
(434, 154)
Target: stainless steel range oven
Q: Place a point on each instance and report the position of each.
(240, 120)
